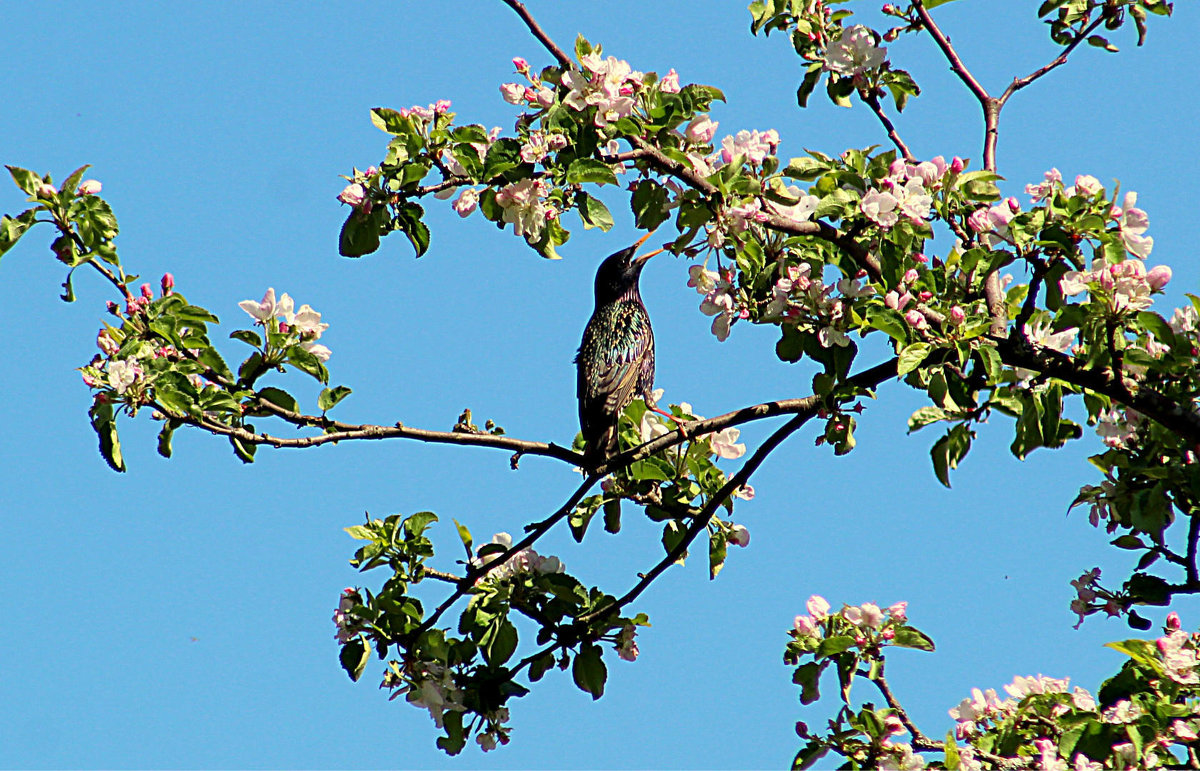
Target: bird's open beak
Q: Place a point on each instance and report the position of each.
(643, 258)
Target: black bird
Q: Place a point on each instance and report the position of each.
(616, 358)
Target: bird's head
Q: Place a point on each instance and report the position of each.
(618, 274)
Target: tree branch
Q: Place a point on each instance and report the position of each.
(474, 573)
(866, 379)
(1058, 61)
(956, 62)
(564, 61)
(873, 102)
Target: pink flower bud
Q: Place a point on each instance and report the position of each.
(113, 308)
(957, 165)
(147, 292)
(910, 275)
(890, 10)
(920, 257)
(1013, 204)
(739, 536)
(888, 633)
(862, 273)
(284, 328)
(168, 284)
(441, 106)
(915, 319)
(89, 187)
(46, 190)
(891, 35)
(1158, 276)
(520, 64)
(353, 194)
(957, 315)
(371, 171)
(925, 296)
(1173, 622)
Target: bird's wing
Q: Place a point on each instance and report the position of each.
(612, 363)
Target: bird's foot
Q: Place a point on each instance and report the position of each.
(679, 423)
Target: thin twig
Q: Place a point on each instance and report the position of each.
(873, 102)
(1058, 61)
(1193, 538)
(475, 572)
(564, 61)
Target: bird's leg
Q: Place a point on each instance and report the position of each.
(653, 407)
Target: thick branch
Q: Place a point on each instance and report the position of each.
(543, 38)
(1171, 414)
(866, 379)
(956, 62)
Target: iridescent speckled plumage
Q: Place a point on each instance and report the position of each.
(616, 358)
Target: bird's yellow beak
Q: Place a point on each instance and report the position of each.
(642, 259)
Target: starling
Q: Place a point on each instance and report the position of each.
(616, 358)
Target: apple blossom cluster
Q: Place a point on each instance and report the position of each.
(426, 684)
(1124, 287)
(866, 624)
(303, 324)
(800, 298)
(1091, 597)
(907, 191)
(854, 52)
(348, 625)
(127, 376)
(1071, 730)
(522, 562)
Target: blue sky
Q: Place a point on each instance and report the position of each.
(178, 615)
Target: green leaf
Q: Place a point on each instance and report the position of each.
(584, 170)
(11, 229)
(907, 637)
(498, 641)
(648, 203)
(805, 168)
(717, 548)
(354, 657)
(243, 450)
(612, 515)
(330, 397)
(949, 450)
(588, 670)
(306, 362)
(912, 356)
(25, 179)
(455, 739)
(832, 646)
(465, 536)
(390, 121)
(164, 438)
(808, 676)
(408, 218)
(936, 3)
(924, 416)
(280, 398)
(593, 212)
(359, 236)
(539, 666)
(105, 424)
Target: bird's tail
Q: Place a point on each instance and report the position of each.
(601, 447)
